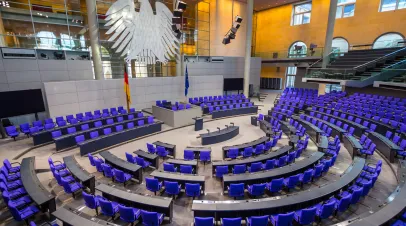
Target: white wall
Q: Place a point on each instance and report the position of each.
(232, 67)
(71, 97)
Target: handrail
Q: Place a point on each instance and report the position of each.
(321, 59)
(380, 58)
(400, 62)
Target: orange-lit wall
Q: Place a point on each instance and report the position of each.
(273, 72)
(274, 32)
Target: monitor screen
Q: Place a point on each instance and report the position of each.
(233, 84)
(21, 102)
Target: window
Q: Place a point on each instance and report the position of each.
(345, 8)
(330, 88)
(290, 76)
(388, 5)
(301, 13)
(388, 40)
(340, 44)
(298, 49)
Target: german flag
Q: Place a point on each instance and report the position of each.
(127, 87)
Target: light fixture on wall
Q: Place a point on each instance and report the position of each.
(180, 7)
(231, 34)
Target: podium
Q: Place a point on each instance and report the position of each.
(198, 123)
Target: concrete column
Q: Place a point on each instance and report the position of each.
(330, 31)
(94, 38)
(250, 12)
(322, 89)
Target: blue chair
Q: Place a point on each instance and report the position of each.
(306, 216)
(9, 167)
(151, 149)
(257, 221)
(282, 161)
(119, 128)
(92, 159)
(71, 130)
(236, 190)
(247, 152)
(161, 151)
(84, 127)
(232, 153)
(108, 208)
(94, 134)
(71, 188)
(12, 132)
(239, 169)
(153, 184)
(282, 219)
(204, 221)
(38, 124)
(91, 201)
(23, 214)
(25, 128)
(168, 167)
(317, 170)
(275, 185)
(150, 119)
(108, 171)
(130, 158)
(128, 214)
(121, 177)
(259, 149)
(130, 125)
(342, 204)
(186, 169)
(79, 139)
(141, 162)
(255, 167)
(205, 156)
(69, 118)
(98, 163)
(306, 177)
(231, 221)
(140, 122)
(172, 188)
(56, 134)
(291, 181)
(192, 190)
(151, 218)
(221, 170)
(19, 203)
(188, 155)
(325, 210)
(269, 164)
(256, 189)
(58, 166)
(109, 121)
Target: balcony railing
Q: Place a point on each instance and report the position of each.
(283, 54)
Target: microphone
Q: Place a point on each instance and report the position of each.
(226, 126)
(218, 128)
(208, 131)
(232, 123)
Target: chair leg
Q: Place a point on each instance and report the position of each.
(97, 211)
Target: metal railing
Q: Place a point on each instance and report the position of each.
(283, 54)
(331, 56)
(381, 58)
(330, 73)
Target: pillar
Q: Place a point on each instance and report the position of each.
(329, 32)
(322, 89)
(94, 38)
(250, 12)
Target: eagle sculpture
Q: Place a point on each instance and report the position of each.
(143, 36)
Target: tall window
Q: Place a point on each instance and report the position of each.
(389, 40)
(345, 8)
(298, 49)
(388, 5)
(330, 88)
(302, 13)
(290, 76)
(340, 44)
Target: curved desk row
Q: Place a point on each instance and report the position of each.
(273, 113)
(235, 111)
(144, 202)
(393, 207)
(268, 175)
(244, 100)
(74, 217)
(380, 126)
(152, 158)
(275, 205)
(105, 141)
(352, 145)
(38, 193)
(241, 147)
(178, 162)
(179, 177)
(313, 131)
(88, 180)
(295, 108)
(207, 111)
(336, 131)
(358, 128)
(171, 148)
(287, 128)
(248, 161)
(322, 144)
(68, 140)
(121, 164)
(45, 136)
(197, 150)
(384, 145)
(220, 135)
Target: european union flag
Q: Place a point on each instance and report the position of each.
(186, 82)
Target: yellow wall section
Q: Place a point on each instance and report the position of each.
(272, 72)
(274, 32)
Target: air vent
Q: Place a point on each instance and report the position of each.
(217, 59)
(11, 53)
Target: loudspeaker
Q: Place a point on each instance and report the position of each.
(177, 13)
(238, 19)
(226, 40)
(181, 5)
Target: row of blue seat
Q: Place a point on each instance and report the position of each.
(194, 100)
(172, 188)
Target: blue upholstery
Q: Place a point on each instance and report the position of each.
(318, 170)
(282, 219)
(231, 221)
(172, 188)
(291, 181)
(11, 169)
(153, 184)
(259, 149)
(325, 210)
(71, 130)
(84, 127)
(25, 128)
(38, 124)
(121, 177)
(255, 167)
(79, 139)
(108, 208)
(91, 201)
(12, 132)
(236, 190)
(107, 131)
(232, 153)
(161, 151)
(247, 152)
(151, 149)
(188, 155)
(306, 216)
(204, 221)
(306, 177)
(140, 122)
(257, 221)
(186, 169)
(141, 162)
(282, 161)
(275, 185)
(168, 167)
(269, 164)
(239, 169)
(128, 214)
(22, 214)
(205, 156)
(256, 189)
(221, 170)
(108, 171)
(192, 190)
(151, 218)
(71, 188)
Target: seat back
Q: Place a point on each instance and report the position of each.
(56, 133)
(129, 157)
(90, 200)
(205, 156)
(152, 184)
(119, 128)
(169, 167)
(94, 134)
(149, 218)
(276, 185)
(236, 189)
(98, 124)
(221, 170)
(106, 131)
(140, 122)
(140, 161)
(106, 207)
(238, 169)
(269, 164)
(91, 159)
(247, 152)
(344, 203)
(171, 187)
(192, 189)
(258, 188)
(308, 216)
(119, 175)
(127, 213)
(84, 127)
(231, 221)
(356, 195)
(327, 209)
(188, 155)
(109, 121)
(186, 169)
(259, 220)
(232, 153)
(256, 166)
(71, 130)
